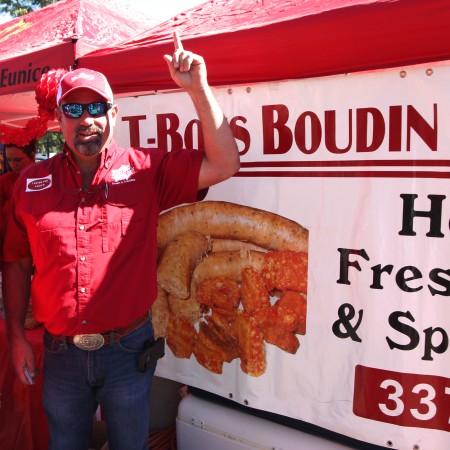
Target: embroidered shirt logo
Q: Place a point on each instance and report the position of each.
(38, 184)
(122, 174)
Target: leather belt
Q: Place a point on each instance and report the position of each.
(95, 341)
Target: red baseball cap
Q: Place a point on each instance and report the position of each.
(86, 79)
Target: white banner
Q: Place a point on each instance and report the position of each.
(362, 162)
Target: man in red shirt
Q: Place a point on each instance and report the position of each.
(87, 220)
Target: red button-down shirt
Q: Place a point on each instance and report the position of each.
(95, 251)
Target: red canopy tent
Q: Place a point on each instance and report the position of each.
(245, 41)
(54, 37)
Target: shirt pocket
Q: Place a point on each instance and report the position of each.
(46, 226)
(122, 217)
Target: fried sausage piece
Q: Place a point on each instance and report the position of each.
(286, 271)
(227, 220)
(181, 336)
(188, 308)
(278, 324)
(160, 313)
(252, 351)
(227, 264)
(254, 294)
(296, 302)
(233, 245)
(179, 260)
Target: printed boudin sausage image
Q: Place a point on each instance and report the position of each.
(231, 280)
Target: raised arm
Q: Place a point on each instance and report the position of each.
(16, 295)
(188, 70)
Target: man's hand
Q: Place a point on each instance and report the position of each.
(221, 160)
(22, 356)
(187, 69)
(16, 296)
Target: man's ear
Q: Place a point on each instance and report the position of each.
(114, 113)
(115, 110)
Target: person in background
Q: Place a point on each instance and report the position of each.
(17, 158)
(87, 218)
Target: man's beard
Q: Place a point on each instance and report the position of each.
(92, 147)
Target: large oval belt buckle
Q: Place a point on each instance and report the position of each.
(89, 341)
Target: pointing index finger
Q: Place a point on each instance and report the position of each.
(177, 41)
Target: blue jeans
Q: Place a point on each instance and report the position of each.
(77, 381)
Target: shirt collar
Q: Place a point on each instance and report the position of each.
(107, 155)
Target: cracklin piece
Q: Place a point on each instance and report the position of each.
(254, 294)
(296, 302)
(278, 325)
(212, 347)
(252, 351)
(286, 270)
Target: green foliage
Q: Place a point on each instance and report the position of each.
(18, 8)
(51, 142)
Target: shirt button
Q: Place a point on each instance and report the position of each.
(83, 290)
(83, 200)
(83, 258)
(81, 227)
(84, 322)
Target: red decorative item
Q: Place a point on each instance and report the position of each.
(36, 127)
(46, 89)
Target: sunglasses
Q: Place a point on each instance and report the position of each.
(95, 109)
